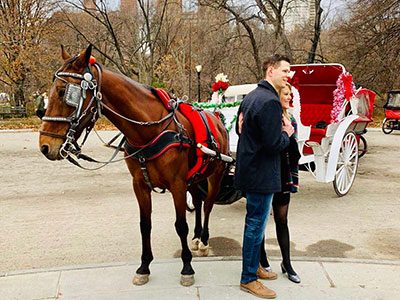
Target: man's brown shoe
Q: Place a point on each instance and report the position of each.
(258, 289)
(264, 274)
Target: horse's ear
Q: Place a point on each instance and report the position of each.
(64, 54)
(83, 59)
(88, 53)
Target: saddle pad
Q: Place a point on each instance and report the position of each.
(200, 132)
(200, 129)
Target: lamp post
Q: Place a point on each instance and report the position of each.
(198, 70)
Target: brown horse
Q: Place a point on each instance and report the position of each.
(81, 92)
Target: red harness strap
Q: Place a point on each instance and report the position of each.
(164, 97)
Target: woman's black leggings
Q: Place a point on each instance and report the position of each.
(280, 206)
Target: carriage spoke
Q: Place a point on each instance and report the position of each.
(339, 170)
(353, 155)
(346, 167)
(348, 176)
(342, 178)
(345, 179)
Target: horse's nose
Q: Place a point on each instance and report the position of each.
(44, 149)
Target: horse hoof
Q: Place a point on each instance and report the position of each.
(140, 279)
(203, 249)
(187, 280)
(194, 244)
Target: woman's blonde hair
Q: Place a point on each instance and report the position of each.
(285, 112)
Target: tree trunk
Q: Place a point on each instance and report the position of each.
(317, 32)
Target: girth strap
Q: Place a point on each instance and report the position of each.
(142, 162)
(164, 141)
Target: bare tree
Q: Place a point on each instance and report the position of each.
(317, 32)
(23, 27)
(368, 43)
(128, 39)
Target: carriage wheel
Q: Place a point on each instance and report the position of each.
(347, 164)
(386, 126)
(362, 146)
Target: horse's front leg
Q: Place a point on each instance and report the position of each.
(143, 195)
(178, 192)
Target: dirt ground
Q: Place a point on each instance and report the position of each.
(54, 214)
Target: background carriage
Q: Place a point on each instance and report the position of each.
(331, 116)
(392, 112)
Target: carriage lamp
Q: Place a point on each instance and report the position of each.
(198, 70)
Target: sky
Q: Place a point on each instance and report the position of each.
(332, 7)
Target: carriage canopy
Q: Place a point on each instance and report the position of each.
(393, 100)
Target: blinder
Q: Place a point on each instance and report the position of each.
(73, 95)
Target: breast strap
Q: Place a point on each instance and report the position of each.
(164, 141)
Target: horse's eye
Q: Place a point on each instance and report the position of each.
(61, 93)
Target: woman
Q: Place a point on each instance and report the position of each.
(280, 204)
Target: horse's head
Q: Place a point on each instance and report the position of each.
(73, 105)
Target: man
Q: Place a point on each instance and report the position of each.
(41, 102)
(262, 137)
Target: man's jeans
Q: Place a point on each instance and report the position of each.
(258, 207)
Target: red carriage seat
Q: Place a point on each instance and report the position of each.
(392, 114)
(316, 84)
(316, 107)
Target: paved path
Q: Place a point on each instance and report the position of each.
(61, 217)
(216, 278)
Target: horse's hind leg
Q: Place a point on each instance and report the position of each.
(144, 199)
(197, 197)
(179, 194)
(214, 184)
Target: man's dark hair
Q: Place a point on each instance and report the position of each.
(274, 61)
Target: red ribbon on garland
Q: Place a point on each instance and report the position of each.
(348, 84)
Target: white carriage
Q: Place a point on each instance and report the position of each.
(331, 117)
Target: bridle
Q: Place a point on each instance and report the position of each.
(75, 96)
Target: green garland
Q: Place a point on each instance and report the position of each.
(213, 105)
(231, 124)
(206, 105)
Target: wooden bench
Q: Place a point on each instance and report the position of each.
(12, 112)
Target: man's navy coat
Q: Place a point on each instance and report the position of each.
(260, 142)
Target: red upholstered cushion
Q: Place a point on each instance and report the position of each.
(311, 114)
(392, 114)
(316, 135)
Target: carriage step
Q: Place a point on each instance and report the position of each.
(316, 147)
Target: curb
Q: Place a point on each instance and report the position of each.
(199, 260)
(17, 130)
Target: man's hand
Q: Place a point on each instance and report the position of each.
(240, 122)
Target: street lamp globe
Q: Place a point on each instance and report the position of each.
(198, 70)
